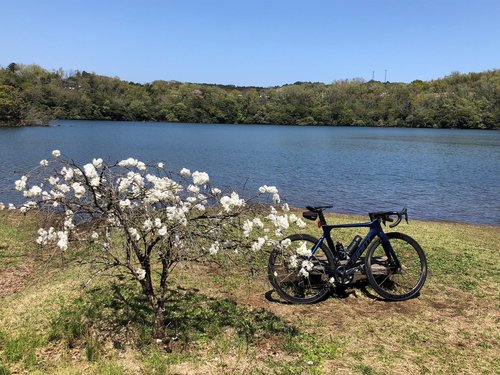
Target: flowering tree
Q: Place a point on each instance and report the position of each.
(145, 220)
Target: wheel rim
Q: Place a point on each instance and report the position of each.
(287, 275)
(391, 279)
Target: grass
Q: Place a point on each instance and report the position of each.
(226, 322)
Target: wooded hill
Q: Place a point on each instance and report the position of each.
(31, 95)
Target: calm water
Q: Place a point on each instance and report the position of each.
(438, 174)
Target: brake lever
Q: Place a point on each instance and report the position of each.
(405, 213)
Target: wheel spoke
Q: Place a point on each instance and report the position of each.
(289, 280)
(401, 283)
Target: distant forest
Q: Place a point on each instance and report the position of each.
(31, 95)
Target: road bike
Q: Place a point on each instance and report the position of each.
(302, 268)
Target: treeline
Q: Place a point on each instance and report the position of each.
(31, 95)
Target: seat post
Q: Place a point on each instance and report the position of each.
(322, 219)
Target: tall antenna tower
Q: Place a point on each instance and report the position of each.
(385, 76)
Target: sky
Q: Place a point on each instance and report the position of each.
(253, 42)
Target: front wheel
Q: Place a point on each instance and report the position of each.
(387, 279)
(297, 275)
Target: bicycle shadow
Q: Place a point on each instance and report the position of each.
(338, 292)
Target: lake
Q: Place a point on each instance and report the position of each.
(439, 174)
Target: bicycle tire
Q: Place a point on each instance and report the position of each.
(391, 283)
(285, 276)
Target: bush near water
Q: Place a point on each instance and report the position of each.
(31, 95)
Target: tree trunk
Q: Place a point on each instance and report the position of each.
(159, 328)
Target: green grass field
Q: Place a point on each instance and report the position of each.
(229, 322)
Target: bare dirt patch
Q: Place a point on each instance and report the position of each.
(15, 279)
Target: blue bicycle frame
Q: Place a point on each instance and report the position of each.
(375, 230)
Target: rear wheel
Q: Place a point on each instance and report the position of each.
(297, 275)
(387, 279)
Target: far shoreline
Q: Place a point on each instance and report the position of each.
(49, 124)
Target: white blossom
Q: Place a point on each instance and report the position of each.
(256, 246)
(134, 233)
(161, 165)
(303, 272)
(185, 172)
(286, 242)
(162, 231)
(68, 173)
(268, 189)
(193, 189)
(293, 261)
(230, 202)
(307, 265)
(97, 162)
(68, 224)
(53, 180)
(123, 184)
(176, 214)
(79, 189)
(276, 198)
(141, 273)
(63, 240)
(90, 171)
(130, 162)
(302, 250)
(56, 153)
(11, 206)
(158, 223)
(301, 223)
(2, 206)
(94, 235)
(125, 203)
(258, 223)
(200, 178)
(21, 183)
(199, 207)
(147, 225)
(44, 162)
(35, 191)
(247, 227)
(214, 249)
(216, 191)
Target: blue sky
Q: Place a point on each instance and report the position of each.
(257, 42)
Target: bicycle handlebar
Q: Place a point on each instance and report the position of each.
(385, 216)
(400, 214)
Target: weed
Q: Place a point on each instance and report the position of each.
(109, 368)
(365, 369)
(155, 363)
(22, 348)
(93, 349)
